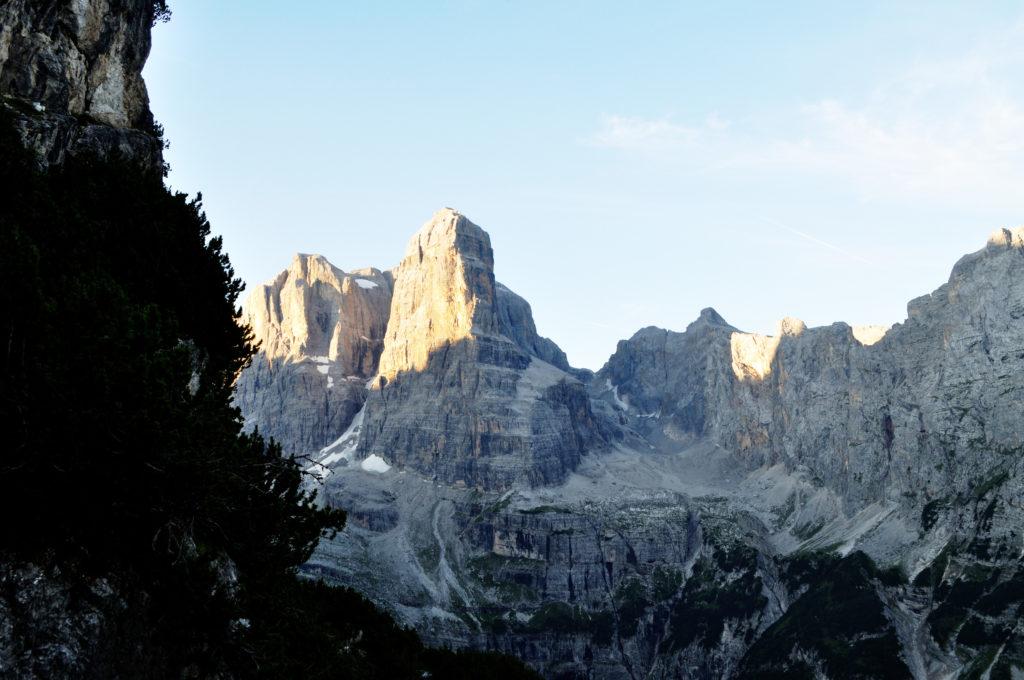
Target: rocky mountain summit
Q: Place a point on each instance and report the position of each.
(462, 394)
(71, 75)
(457, 383)
(694, 507)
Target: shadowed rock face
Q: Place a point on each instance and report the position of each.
(663, 375)
(320, 331)
(728, 534)
(920, 411)
(467, 391)
(71, 73)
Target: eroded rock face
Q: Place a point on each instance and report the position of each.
(463, 388)
(819, 502)
(71, 74)
(661, 376)
(911, 412)
(466, 392)
(320, 332)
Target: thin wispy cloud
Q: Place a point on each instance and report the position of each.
(631, 133)
(817, 241)
(951, 130)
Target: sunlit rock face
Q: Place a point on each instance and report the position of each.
(320, 332)
(445, 293)
(461, 386)
(467, 392)
(71, 74)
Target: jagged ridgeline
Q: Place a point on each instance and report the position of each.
(836, 502)
(145, 536)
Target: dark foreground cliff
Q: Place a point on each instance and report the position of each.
(71, 78)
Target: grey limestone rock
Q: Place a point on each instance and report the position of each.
(761, 481)
(71, 75)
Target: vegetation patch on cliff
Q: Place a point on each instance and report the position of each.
(840, 620)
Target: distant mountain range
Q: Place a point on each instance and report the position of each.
(832, 502)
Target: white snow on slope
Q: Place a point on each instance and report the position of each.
(374, 463)
(366, 283)
(615, 395)
(344, 447)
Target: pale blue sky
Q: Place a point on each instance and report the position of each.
(633, 162)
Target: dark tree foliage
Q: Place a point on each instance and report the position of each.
(161, 11)
(122, 452)
(840, 619)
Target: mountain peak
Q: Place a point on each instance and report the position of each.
(444, 292)
(312, 266)
(313, 308)
(449, 229)
(710, 316)
(1007, 238)
(790, 326)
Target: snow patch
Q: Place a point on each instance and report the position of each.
(342, 448)
(323, 369)
(320, 360)
(615, 395)
(374, 463)
(366, 283)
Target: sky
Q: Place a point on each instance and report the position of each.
(633, 163)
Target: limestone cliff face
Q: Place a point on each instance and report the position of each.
(661, 376)
(462, 388)
(71, 74)
(924, 412)
(321, 333)
(913, 412)
(467, 391)
(444, 293)
(754, 470)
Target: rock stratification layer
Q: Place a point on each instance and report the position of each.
(467, 392)
(71, 75)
